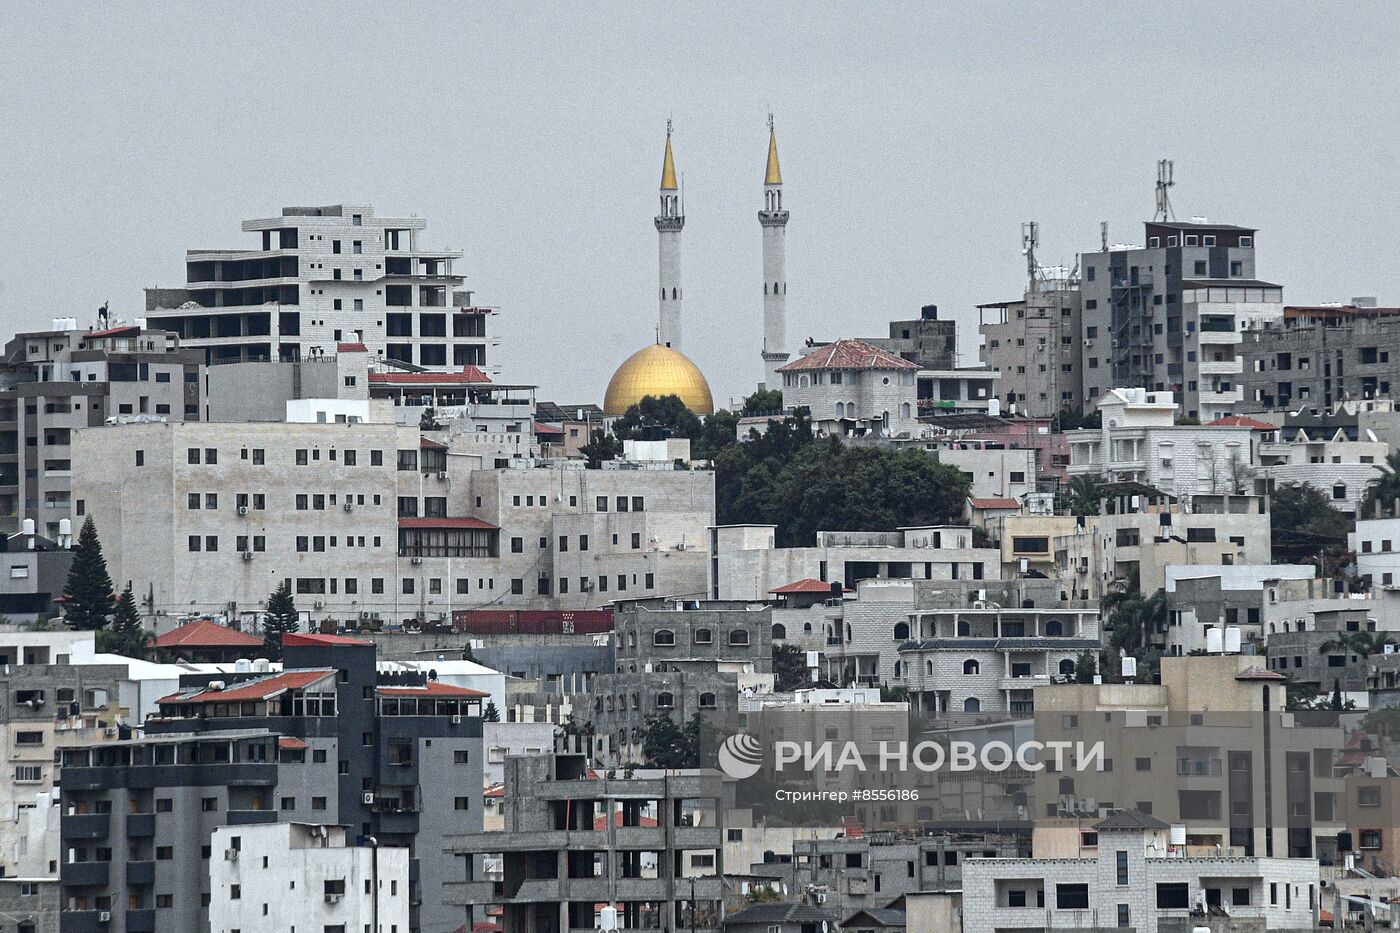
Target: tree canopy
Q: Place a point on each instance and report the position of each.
(88, 593)
(789, 668)
(667, 745)
(281, 617)
(1303, 508)
(667, 412)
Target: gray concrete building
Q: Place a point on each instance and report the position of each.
(1317, 356)
(927, 341)
(54, 382)
(577, 842)
(36, 574)
(1171, 316)
(1036, 344)
(324, 276)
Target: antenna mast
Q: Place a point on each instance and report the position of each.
(1164, 181)
(1030, 239)
(1103, 235)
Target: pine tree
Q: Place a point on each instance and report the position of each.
(281, 617)
(88, 593)
(491, 714)
(126, 635)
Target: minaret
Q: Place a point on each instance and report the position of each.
(773, 219)
(668, 236)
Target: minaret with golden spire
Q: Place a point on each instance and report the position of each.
(773, 220)
(668, 234)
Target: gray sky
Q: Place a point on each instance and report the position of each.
(914, 142)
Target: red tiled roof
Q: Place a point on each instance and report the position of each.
(1241, 421)
(848, 354)
(803, 586)
(483, 927)
(430, 444)
(995, 504)
(1259, 673)
(112, 332)
(431, 689)
(299, 640)
(495, 791)
(261, 688)
(470, 523)
(351, 348)
(547, 429)
(290, 742)
(206, 634)
(852, 828)
(468, 375)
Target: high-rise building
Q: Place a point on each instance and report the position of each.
(773, 219)
(56, 381)
(1319, 356)
(326, 740)
(1170, 316)
(324, 276)
(1036, 343)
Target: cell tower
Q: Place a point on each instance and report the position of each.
(1164, 182)
(1030, 239)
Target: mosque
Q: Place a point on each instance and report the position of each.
(661, 368)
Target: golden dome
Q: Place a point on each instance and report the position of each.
(656, 371)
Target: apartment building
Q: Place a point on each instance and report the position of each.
(1139, 441)
(1036, 344)
(975, 661)
(373, 521)
(323, 276)
(1348, 467)
(992, 472)
(583, 850)
(747, 564)
(1209, 748)
(1137, 878)
(1309, 642)
(1321, 355)
(1376, 544)
(37, 572)
(324, 740)
(851, 388)
(305, 875)
(1247, 597)
(677, 658)
(54, 382)
(1170, 317)
(927, 341)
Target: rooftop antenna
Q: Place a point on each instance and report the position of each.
(1103, 235)
(1030, 239)
(1164, 181)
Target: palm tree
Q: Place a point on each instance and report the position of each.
(1369, 643)
(1084, 494)
(1384, 490)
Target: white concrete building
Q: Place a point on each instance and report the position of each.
(1339, 468)
(1188, 626)
(1376, 544)
(299, 876)
(853, 389)
(1139, 442)
(1138, 879)
(324, 276)
(994, 472)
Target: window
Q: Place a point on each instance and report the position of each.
(1121, 861)
(971, 666)
(461, 803)
(739, 637)
(663, 637)
(1173, 896)
(1072, 897)
(704, 636)
(318, 803)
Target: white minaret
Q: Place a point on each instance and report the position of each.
(773, 219)
(668, 236)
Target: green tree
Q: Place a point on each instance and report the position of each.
(1134, 617)
(1086, 668)
(601, 446)
(764, 402)
(491, 714)
(789, 668)
(88, 593)
(281, 617)
(719, 431)
(667, 412)
(1383, 492)
(428, 421)
(1303, 508)
(1083, 494)
(125, 635)
(667, 745)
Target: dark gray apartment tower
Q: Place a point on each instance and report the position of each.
(1169, 316)
(396, 758)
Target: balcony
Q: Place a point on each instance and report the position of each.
(85, 874)
(1027, 682)
(81, 921)
(141, 873)
(1222, 367)
(251, 817)
(86, 825)
(140, 921)
(140, 825)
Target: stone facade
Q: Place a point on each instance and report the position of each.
(1321, 356)
(1036, 344)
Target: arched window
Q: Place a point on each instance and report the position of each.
(929, 666)
(707, 701)
(807, 628)
(738, 637)
(1054, 629)
(636, 701)
(598, 705)
(765, 288)
(664, 637)
(1067, 666)
(631, 639)
(901, 631)
(611, 701)
(673, 294)
(970, 666)
(848, 633)
(802, 382)
(898, 666)
(704, 636)
(665, 701)
(972, 705)
(904, 410)
(779, 631)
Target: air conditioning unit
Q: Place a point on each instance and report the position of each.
(247, 555)
(369, 798)
(230, 855)
(332, 898)
(104, 916)
(349, 506)
(456, 720)
(415, 560)
(442, 474)
(319, 604)
(242, 510)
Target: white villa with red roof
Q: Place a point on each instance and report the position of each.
(853, 389)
